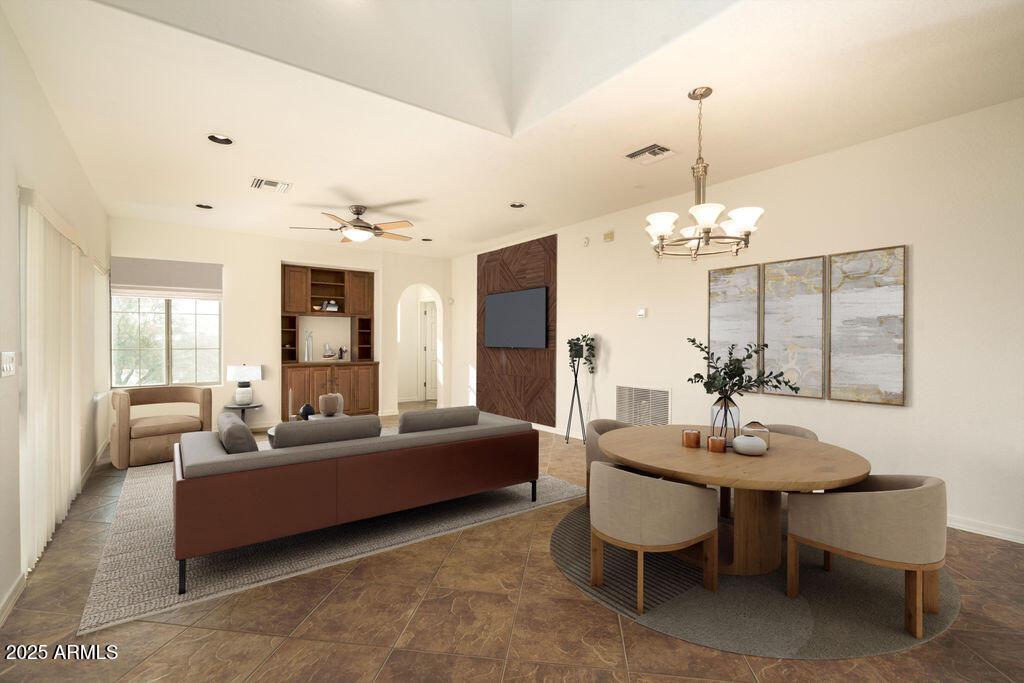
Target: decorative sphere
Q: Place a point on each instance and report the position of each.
(305, 411)
(749, 445)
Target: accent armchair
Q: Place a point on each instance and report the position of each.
(650, 515)
(893, 521)
(148, 440)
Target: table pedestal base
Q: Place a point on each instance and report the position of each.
(751, 543)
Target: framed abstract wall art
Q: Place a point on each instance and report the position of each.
(867, 326)
(733, 307)
(793, 325)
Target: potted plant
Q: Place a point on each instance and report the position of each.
(583, 347)
(727, 377)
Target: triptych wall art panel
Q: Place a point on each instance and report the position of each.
(834, 325)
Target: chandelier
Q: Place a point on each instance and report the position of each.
(709, 236)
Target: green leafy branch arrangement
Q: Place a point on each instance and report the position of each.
(585, 347)
(728, 376)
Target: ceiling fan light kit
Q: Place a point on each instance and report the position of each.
(709, 236)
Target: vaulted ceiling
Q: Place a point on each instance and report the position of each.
(445, 111)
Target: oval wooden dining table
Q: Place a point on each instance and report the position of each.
(751, 541)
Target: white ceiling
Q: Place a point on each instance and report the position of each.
(448, 110)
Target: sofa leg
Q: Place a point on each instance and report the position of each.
(181, 577)
(533, 490)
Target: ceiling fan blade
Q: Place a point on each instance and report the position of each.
(344, 239)
(389, 236)
(394, 225)
(299, 227)
(336, 218)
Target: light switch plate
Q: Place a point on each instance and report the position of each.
(7, 364)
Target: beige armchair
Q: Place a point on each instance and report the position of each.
(148, 440)
(887, 520)
(595, 428)
(793, 430)
(646, 514)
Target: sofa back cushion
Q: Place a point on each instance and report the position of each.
(438, 418)
(309, 432)
(234, 434)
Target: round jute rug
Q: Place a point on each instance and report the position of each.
(855, 610)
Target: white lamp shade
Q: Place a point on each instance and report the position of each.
(661, 224)
(245, 373)
(745, 218)
(357, 235)
(706, 215)
(731, 228)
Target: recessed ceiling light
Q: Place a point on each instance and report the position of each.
(518, 205)
(203, 206)
(219, 139)
(426, 239)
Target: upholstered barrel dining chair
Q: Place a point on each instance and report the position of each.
(647, 514)
(595, 428)
(895, 521)
(793, 430)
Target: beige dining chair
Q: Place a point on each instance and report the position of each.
(595, 428)
(793, 430)
(894, 521)
(650, 515)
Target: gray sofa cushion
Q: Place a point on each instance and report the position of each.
(329, 430)
(234, 434)
(438, 418)
(199, 460)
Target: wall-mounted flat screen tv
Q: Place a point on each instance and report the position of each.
(517, 320)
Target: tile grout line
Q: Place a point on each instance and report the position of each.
(976, 654)
(622, 639)
(519, 600)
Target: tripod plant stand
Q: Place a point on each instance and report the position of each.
(574, 400)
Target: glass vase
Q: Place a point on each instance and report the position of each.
(725, 419)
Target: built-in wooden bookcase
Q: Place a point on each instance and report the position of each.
(362, 338)
(289, 338)
(326, 285)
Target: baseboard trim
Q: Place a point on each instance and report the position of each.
(986, 529)
(12, 597)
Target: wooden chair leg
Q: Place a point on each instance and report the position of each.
(930, 591)
(596, 560)
(913, 613)
(640, 582)
(725, 502)
(792, 566)
(827, 561)
(709, 561)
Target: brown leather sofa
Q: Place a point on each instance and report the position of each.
(224, 501)
(148, 440)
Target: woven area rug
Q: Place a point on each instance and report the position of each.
(855, 610)
(138, 575)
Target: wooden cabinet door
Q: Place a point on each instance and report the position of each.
(296, 385)
(365, 391)
(295, 289)
(342, 376)
(358, 293)
(320, 383)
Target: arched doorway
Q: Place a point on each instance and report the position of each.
(420, 321)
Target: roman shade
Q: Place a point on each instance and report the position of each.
(157, 277)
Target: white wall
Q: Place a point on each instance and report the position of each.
(251, 325)
(927, 187)
(35, 154)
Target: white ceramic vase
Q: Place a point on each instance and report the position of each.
(749, 445)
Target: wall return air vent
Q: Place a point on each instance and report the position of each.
(650, 154)
(639, 406)
(267, 185)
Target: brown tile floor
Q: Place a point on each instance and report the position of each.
(486, 604)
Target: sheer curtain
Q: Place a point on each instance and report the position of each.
(50, 453)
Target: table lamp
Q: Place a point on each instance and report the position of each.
(244, 374)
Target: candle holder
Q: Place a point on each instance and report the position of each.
(691, 438)
(716, 444)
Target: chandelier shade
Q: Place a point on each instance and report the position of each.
(707, 215)
(661, 224)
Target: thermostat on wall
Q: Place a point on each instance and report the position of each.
(641, 312)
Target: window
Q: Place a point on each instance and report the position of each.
(156, 340)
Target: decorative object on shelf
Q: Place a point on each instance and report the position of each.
(308, 356)
(793, 322)
(755, 428)
(745, 444)
(733, 302)
(305, 411)
(716, 444)
(330, 305)
(709, 236)
(316, 307)
(867, 320)
(244, 375)
(328, 351)
(691, 438)
(581, 349)
(331, 404)
(727, 377)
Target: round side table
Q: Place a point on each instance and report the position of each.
(242, 408)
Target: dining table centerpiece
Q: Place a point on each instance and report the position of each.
(728, 377)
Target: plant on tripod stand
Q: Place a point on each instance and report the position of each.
(583, 347)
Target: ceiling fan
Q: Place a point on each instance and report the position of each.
(358, 230)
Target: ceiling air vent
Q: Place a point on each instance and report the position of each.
(650, 154)
(270, 185)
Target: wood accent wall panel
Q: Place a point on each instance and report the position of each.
(517, 383)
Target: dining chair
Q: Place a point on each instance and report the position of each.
(793, 430)
(595, 428)
(650, 515)
(894, 521)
